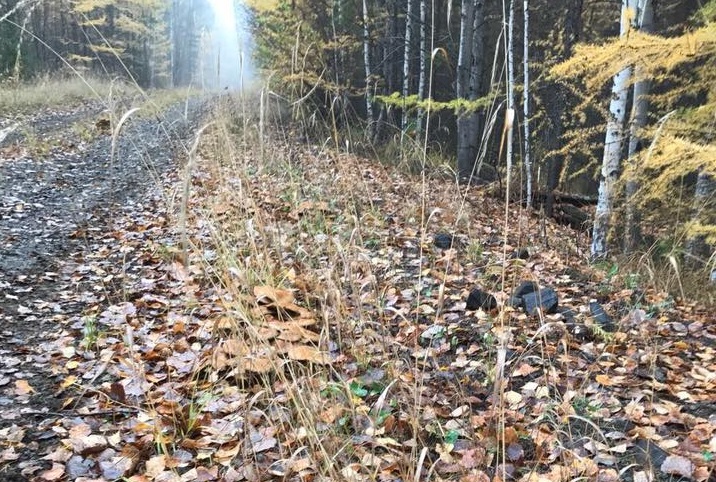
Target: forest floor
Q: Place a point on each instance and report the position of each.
(263, 309)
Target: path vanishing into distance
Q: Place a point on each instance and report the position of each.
(60, 195)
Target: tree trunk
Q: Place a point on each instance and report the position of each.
(614, 140)
(526, 102)
(555, 104)
(407, 54)
(639, 112)
(510, 55)
(704, 207)
(368, 72)
(422, 73)
(469, 83)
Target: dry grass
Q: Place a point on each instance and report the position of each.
(51, 92)
(324, 227)
(48, 93)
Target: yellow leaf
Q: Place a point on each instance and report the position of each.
(23, 388)
(605, 380)
(69, 381)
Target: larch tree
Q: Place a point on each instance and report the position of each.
(680, 153)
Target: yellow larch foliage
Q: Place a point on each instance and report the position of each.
(653, 53)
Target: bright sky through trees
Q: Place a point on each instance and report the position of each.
(232, 45)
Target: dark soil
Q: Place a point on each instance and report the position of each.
(51, 207)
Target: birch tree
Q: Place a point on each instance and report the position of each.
(510, 54)
(639, 112)
(407, 53)
(368, 72)
(422, 74)
(614, 140)
(526, 101)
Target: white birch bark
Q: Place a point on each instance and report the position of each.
(639, 112)
(422, 73)
(614, 140)
(527, 161)
(368, 72)
(407, 53)
(510, 84)
(464, 59)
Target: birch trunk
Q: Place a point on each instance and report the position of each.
(422, 73)
(407, 53)
(639, 112)
(510, 85)
(526, 102)
(368, 72)
(613, 143)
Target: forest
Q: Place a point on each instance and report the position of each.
(357, 240)
(586, 86)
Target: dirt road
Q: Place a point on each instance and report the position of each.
(60, 192)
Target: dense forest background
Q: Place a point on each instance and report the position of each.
(155, 43)
(568, 105)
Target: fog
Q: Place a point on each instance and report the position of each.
(231, 63)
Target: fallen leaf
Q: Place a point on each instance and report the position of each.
(55, 473)
(23, 388)
(271, 295)
(307, 353)
(677, 465)
(155, 465)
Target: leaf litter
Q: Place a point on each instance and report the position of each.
(317, 332)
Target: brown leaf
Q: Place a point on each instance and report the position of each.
(270, 295)
(609, 380)
(225, 455)
(524, 369)
(80, 430)
(261, 364)
(307, 353)
(55, 473)
(155, 465)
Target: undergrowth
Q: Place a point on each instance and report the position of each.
(48, 92)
